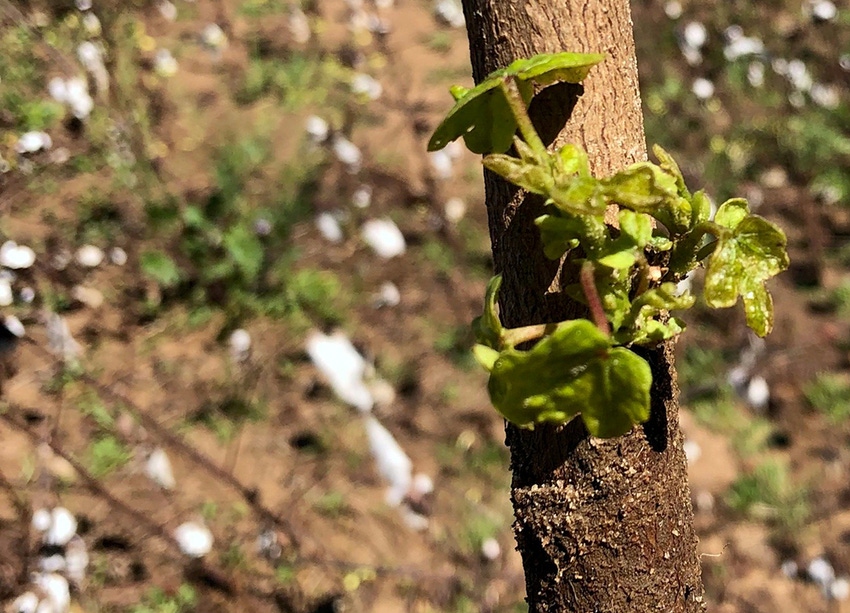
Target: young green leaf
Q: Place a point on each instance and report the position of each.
(748, 253)
(573, 370)
(559, 234)
(642, 326)
(482, 114)
(488, 328)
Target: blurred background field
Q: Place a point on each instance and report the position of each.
(209, 208)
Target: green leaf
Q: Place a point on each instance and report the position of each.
(546, 69)
(527, 171)
(559, 234)
(747, 255)
(616, 393)
(246, 250)
(160, 267)
(487, 327)
(731, 213)
(482, 115)
(573, 371)
(669, 165)
(635, 234)
(643, 325)
(700, 207)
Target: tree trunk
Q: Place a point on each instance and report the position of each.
(602, 525)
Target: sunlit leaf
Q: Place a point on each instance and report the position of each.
(559, 234)
(479, 114)
(746, 256)
(573, 370)
(644, 326)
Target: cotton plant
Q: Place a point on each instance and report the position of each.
(329, 227)
(16, 257)
(74, 93)
(348, 153)
(89, 256)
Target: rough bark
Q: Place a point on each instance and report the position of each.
(602, 525)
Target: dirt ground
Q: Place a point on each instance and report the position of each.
(264, 445)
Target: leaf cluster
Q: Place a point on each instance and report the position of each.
(630, 272)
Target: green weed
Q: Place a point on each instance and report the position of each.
(829, 394)
(106, 455)
(768, 493)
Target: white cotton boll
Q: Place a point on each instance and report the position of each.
(32, 142)
(158, 469)
(693, 451)
(81, 106)
(328, 226)
(758, 393)
(388, 296)
(490, 549)
(821, 572)
(118, 256)
(63, 527)
(755, 74)
(362, 197)
(704, 501)
(695, 35)
(348, 153)
(89, 296)
(839, 589)
(703, 88)
(14, 325)
(15, 256)
(673, 9)
(317, 129)
(52, 564)
(194, 538)
(454, 209)
(76, 560)
(422, 485)
(89, 256)
(844, 62)
(214, 37)
(164, 63)
(366, 85)
(449, 12)
(6, 295)
(741, 47)
(442, 164)
(41, 520)
(57, 89)
(342, 366)
(92, 24)
(384, 237)
(789, 569)
(738, 376)
(59, 339)
(56, 588)
(240, 345)
(824, 10)
(393, 463)
(25, 603)
(167, 10)
(799, 76)
(826, 96)
(299, 26)
(89, 55)
(413, 520)
(83, 5)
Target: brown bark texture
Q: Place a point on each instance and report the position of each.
(602, 525)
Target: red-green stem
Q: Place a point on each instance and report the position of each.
(593, 301)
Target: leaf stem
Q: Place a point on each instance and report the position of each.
(510, 87)
(514, 336)
(593, 301)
